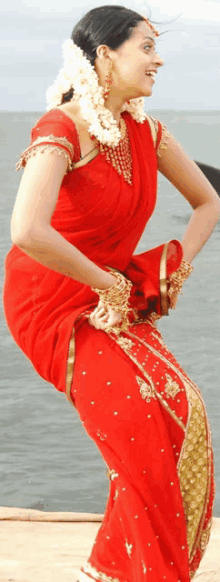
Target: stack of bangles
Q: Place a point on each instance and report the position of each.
(117, 296)
(177, 279)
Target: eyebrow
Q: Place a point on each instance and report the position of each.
(150, 37)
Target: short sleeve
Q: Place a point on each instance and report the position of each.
(54, 131)
(160, 134)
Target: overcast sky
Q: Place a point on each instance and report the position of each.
(32, 37)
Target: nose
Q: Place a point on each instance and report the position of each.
(158, 60)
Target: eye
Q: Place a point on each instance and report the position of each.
(149, 46)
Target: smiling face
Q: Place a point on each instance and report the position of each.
(131, 62)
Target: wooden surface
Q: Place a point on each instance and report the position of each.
(39, 546)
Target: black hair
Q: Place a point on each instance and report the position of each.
(111, 25)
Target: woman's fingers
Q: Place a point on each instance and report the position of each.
(103, 317)
(114, 317)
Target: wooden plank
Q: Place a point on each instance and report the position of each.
(21, 514)
(34, 550)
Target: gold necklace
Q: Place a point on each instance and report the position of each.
(120, 155)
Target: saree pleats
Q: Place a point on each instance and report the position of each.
(149, 422)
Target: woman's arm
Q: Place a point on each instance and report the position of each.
(185, 175)
(30, 223)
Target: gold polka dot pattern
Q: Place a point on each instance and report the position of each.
(193, 466)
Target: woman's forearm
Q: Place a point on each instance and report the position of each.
(47, 246)
(201, 224)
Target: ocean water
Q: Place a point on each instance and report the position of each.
(47, 460)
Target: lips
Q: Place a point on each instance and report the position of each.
(151, 73)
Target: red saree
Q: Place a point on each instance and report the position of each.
(146, 416)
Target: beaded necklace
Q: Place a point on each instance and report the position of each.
(120, 156)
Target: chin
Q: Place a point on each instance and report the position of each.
(145, 92)
(148, 92)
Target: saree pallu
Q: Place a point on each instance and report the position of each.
(145, 415)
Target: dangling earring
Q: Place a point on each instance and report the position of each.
(108, 81)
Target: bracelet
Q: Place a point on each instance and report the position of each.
(177, 278)
(117, 297)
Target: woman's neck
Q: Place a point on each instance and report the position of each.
(74, 110)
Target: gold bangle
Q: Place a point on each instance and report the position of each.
(117, 297)
(177, 278)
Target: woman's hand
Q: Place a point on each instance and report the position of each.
(103, 317)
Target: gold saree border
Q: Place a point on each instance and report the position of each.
(93, 573)
(194, 469)
(70, 366)
(153, 128)
(196, 502)
(126, 348)
(163, 280)
(194, 465)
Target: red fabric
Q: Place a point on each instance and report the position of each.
(104, 217)
(142, 445)
(144, 271)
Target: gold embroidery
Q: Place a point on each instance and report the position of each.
(116, 495)
(163, 280)
(101, 435)
(164, 138)
(163, 358)
(171, 387)
(124, 342)
(55, 145)
(97, 575)
(197, 460)
(111, 474)
(163, 402)
(154, 131)
(153, 123)
(150, 319)
(160, 339)
(206, 536)
(54, 139)
(128, 548)
(199, 457)
(193, 467)
(153, 317)
(146, 390)
(171, 412)
(70, 366)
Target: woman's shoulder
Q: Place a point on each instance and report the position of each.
(54, 131)
(56, 116)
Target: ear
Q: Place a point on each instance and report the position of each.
(103, 52)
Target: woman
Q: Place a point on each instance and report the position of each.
(83, 307)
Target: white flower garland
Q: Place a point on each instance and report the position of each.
(79, 74)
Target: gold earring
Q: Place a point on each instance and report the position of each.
(108, 81)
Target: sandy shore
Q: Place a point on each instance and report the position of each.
(39, 546)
